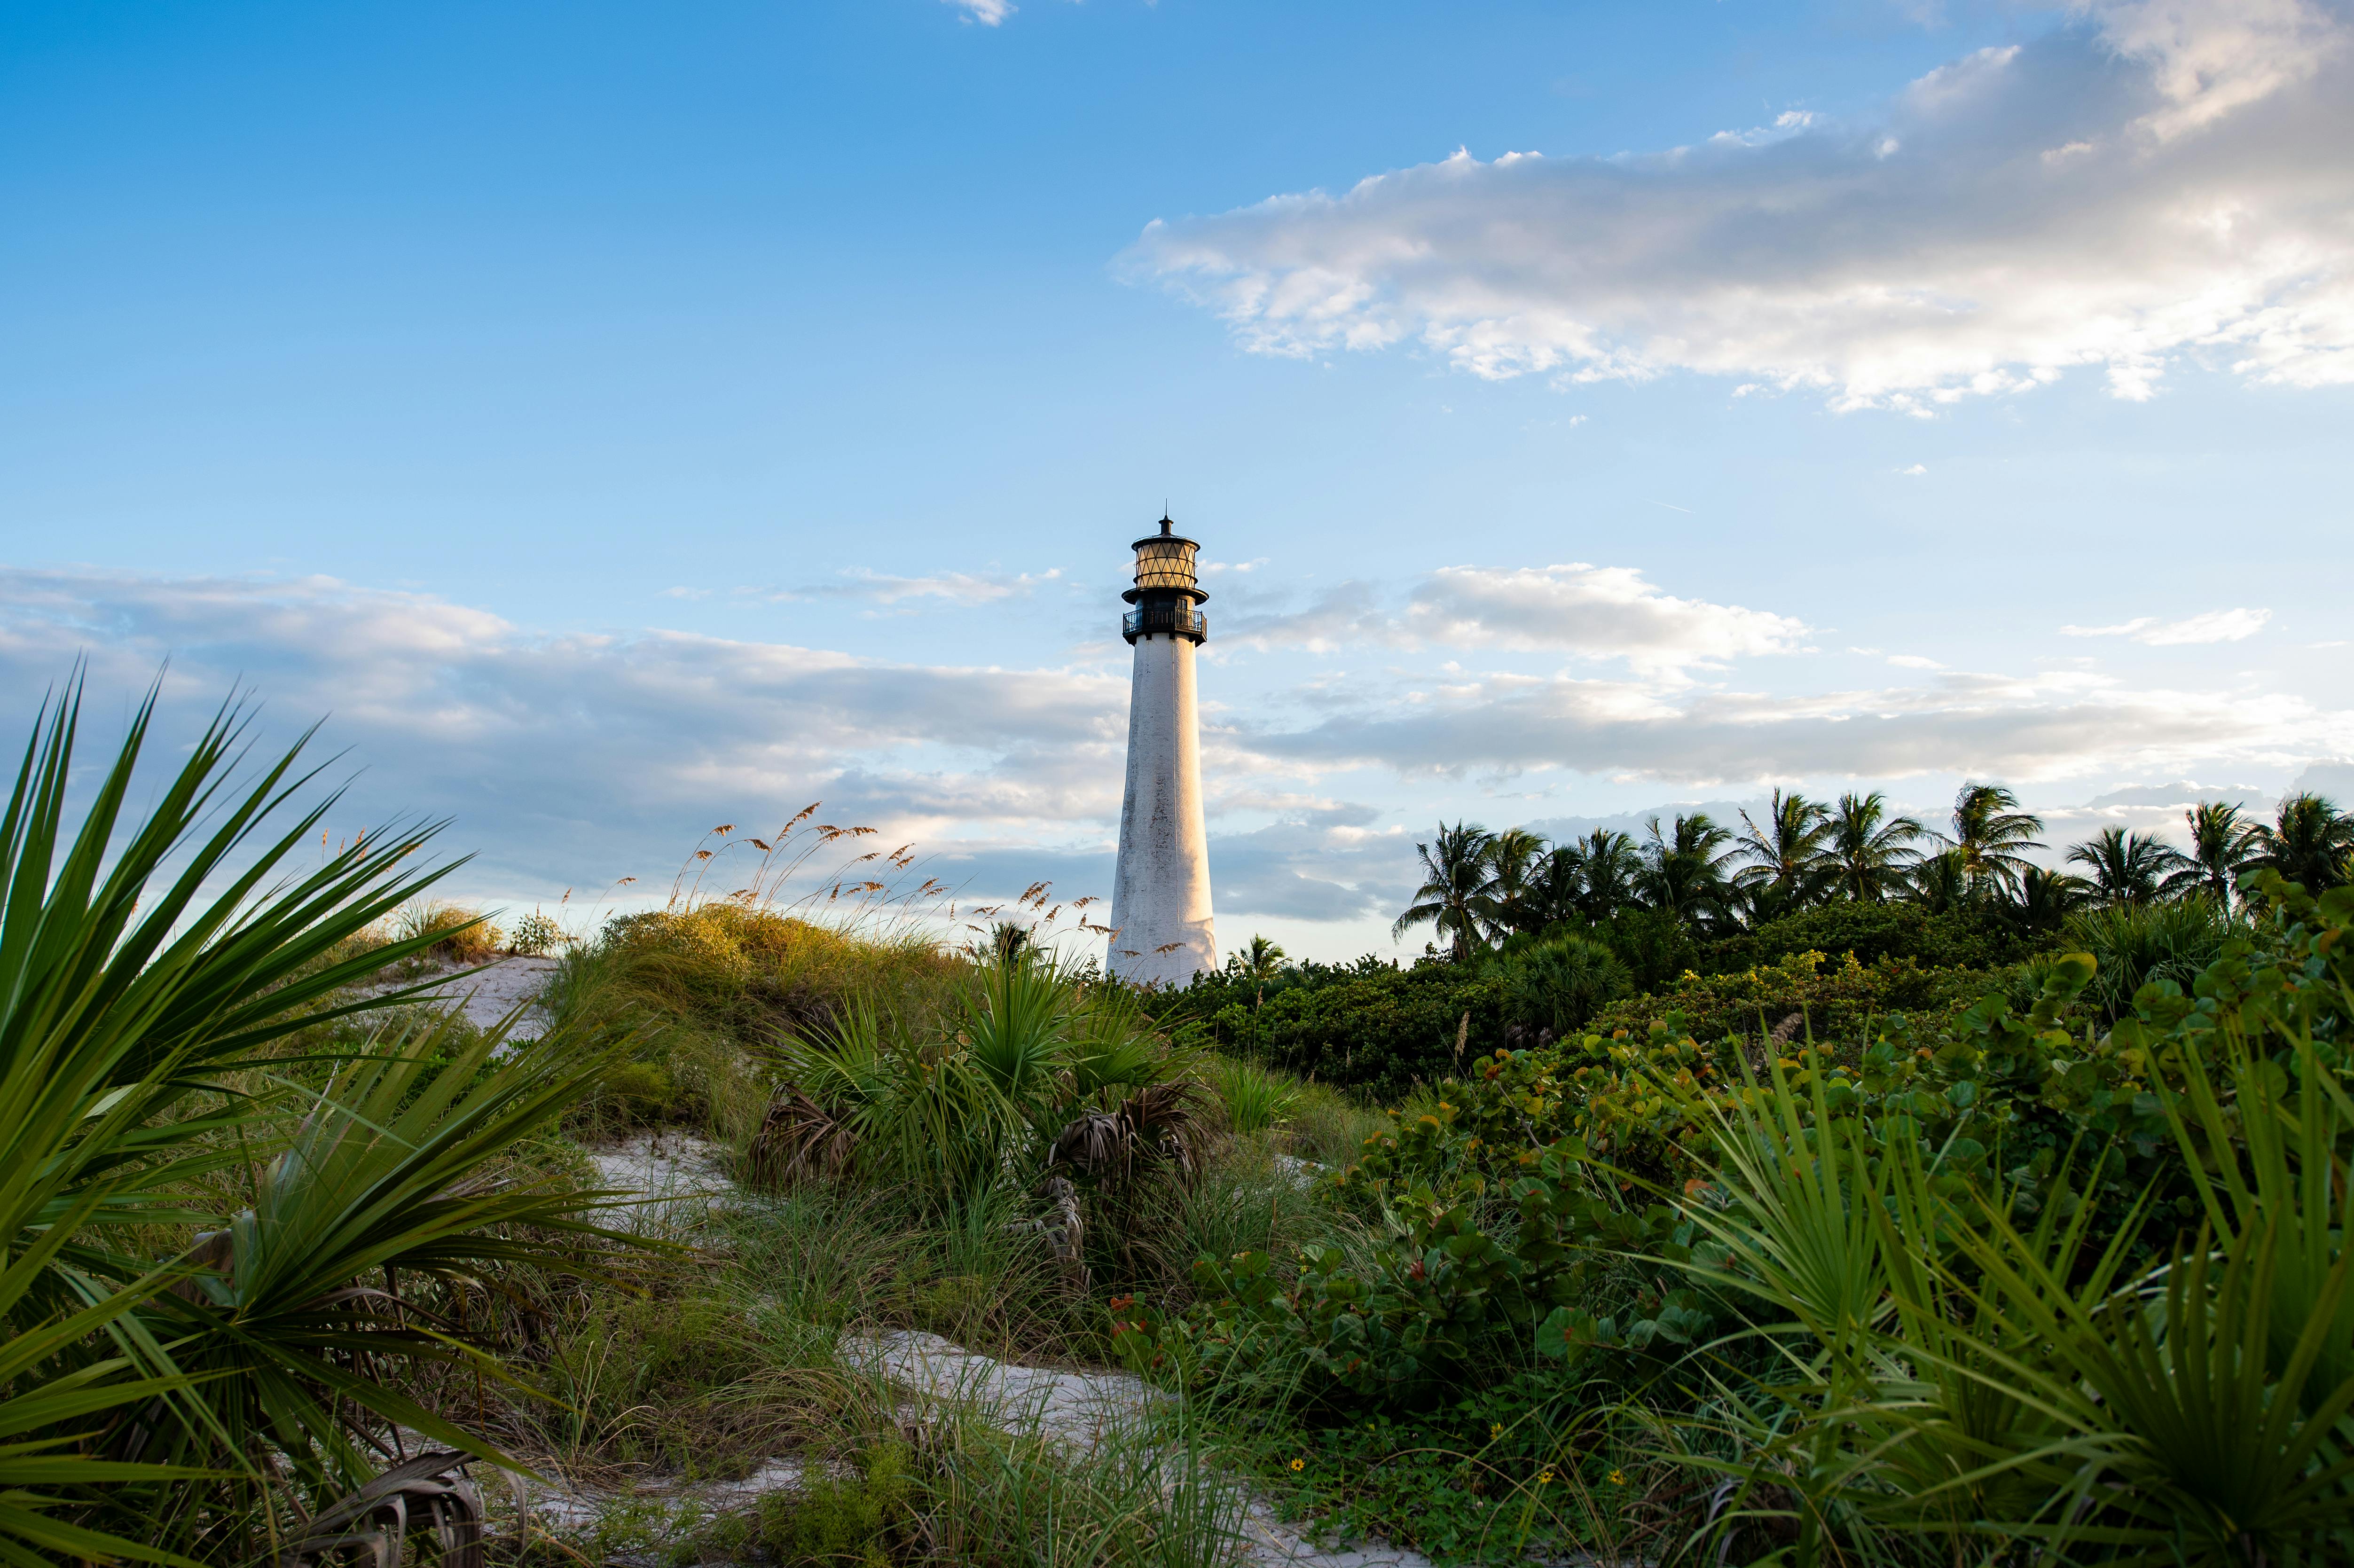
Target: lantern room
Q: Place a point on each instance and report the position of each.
(1167, 595)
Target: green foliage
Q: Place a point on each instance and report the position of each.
(2134, 944)
(1966, 937)
(1374, 1027)
(535, 935)
(832, 1520)
(1557, 985)
(2006, 1277)
(1799, 994)
(1256, 1099)
(148, 1088)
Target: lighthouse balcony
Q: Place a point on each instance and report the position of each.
(1175, 620)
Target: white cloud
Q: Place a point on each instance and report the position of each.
(575, 758)
(1595, 611)
(1916, 469)
(957, 588)
(2054, 725)
(2214, 626)
(988, 13)
(2161, 178)
(533, 738)
(1914, 662)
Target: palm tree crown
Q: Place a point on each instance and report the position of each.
(2310, 842)
(1869, 850)
(2128, 868)
(1683, 872)
(1787, 857)
(2222, 845)
(1610, 867)
(1456, 893)
(1515, 858)
(1991, 833)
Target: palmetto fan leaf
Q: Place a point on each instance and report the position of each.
(116, 993)
(393, 1174)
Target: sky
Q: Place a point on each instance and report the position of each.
(619, 421)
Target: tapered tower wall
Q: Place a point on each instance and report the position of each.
(1161, 894)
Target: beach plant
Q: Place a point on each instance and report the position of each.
(180, 1016)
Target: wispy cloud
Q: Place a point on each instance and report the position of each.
(988, 13)
(2159, 178)
(955, 588)
(2215, 626)
(1602, 612)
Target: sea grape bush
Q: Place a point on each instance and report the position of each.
(1548, 1201)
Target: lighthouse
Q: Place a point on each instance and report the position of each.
(1161, 893)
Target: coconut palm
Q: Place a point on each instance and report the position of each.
(1870, 851)
(2310, 842)
(2222, 845)
(1610, 871)
(1683, 870)
(2128, 868)
(2046, 899)
(1560, 883)
(1941, 882)
(1457, 896)
(1515, 858)
(1992, 834)
(1785, 860)
(1259, 963)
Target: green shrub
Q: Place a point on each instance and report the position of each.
(836, 1520)
(1959, 938)
(535, 935)
(1255, 1099)
(2135, 944)
(1559, 984)
(2002, 1277)
(1374, 1028)
(1800, 995)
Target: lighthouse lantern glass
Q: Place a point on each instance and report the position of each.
(1165, 564)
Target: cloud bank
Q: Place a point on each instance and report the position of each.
(2153, 179)
(574, 758)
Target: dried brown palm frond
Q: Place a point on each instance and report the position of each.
(798, 1141)
(1154, 1129)
(372, 1524)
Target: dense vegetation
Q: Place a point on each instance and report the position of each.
(1829, 917)
(1918, 1210)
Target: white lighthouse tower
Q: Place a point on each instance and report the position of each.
(1161, 893)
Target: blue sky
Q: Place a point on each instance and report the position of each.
(626, 420)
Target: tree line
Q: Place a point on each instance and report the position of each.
(1480, 888)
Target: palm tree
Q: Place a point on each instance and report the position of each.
(1560, 883)
(1991, 832)
(1456, 893)
(1941, 882)
(2222, 845)
(2046, 899)
(2311, 842)
(1870, 850)
(1683, 872)
(1611, 869)
(1786, 858)
(1515, 859)
(1259, 963)
(2128, 868)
